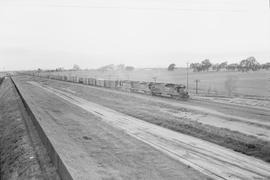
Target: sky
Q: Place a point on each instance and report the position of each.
(141, 33)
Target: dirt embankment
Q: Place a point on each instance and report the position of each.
(22, 156)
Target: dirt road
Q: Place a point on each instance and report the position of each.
(216, 162)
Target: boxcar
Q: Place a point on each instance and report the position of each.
(100, 83)
(124, 86)
(140, 87)
(110, 84)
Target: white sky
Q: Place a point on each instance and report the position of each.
(142, 33)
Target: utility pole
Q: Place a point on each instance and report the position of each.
(187, 74)
(197, 82)
(155, 79)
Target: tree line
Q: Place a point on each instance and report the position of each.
(249, 64)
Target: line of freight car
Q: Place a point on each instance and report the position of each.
(176, 91)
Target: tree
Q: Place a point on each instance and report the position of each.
(108, 67)
(206, 64)
(249, 64)
(171, 67)
(120, 67)
(243, 65)
(76, 67)
(129, 68)
(216, 67)
(197, 67)
(223, 65)
(59, 69)
(266, 66)
(232, 67)
(253, 63)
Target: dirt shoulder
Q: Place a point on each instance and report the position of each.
(149, 109)
(22, 156)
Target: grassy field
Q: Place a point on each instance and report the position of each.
(248, 84)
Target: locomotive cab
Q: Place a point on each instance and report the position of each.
(172, 90)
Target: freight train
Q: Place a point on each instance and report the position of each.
(176, 91)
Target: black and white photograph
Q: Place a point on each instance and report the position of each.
(134, 89)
